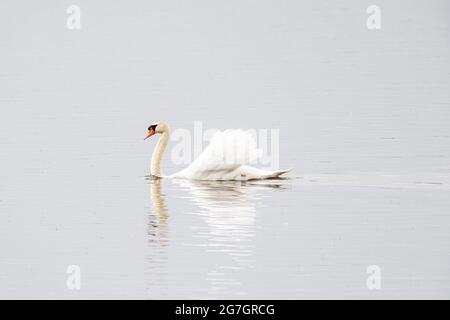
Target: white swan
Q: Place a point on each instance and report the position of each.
(225, 158)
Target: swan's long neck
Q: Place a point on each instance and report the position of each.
(158, 153)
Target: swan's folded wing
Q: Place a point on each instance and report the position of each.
(227, 151)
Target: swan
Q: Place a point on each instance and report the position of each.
(225, 158)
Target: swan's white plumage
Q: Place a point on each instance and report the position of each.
(227, 157)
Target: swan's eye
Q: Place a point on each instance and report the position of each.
(152, 127)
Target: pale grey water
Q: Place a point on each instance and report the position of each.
(363, 119)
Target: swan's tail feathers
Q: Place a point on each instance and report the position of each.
(277, 174)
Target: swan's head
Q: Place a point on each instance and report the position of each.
(157, 127)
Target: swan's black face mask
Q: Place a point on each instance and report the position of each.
(151, 131)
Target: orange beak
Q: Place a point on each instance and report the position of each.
(149, 134)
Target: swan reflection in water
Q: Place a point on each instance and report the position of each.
(229, 212)
(157, 225)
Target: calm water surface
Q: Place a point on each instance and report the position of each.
(363, 120)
